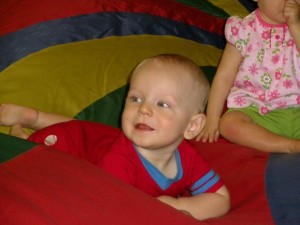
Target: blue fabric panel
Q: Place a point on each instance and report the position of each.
(37, 37)
(283, 188)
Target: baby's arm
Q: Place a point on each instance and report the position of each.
(11, 114)
(202, 206)
(222, 83)
(292, 13)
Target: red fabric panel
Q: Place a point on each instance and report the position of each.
(243, 172)
(17, 14)
(46, 186)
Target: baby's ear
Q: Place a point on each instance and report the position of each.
(195, 126)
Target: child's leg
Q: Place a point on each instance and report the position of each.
(239, 128)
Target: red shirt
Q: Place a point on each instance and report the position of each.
(111, 150)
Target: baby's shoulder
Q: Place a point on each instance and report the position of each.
(245, 23)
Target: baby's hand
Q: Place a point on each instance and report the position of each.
(210, 133)
(11, 114)
(172, 202)
(292, 12)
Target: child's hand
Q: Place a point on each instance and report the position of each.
(202, 206)
(11, 114)
(292, 12)
(171, 201)
(209, 133)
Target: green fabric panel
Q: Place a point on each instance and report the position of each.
(206, 6)
(209, 71)
(12, 146)
(106, 110)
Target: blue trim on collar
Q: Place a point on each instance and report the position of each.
(162, 181)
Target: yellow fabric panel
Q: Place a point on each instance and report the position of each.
(67, 78)
(232, 7)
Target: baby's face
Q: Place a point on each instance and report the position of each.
(158, 106)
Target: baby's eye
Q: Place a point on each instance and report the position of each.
(163, 104)
(135, 99)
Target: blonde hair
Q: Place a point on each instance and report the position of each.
(195, 72)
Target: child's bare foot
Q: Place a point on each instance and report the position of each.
(17, 131)
(11, 114)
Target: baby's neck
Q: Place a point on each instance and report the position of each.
(266, 20)
(164, 161)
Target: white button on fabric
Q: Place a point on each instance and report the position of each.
(50, 140)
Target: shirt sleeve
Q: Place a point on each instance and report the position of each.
(203, 178)
(86, 140)
(209, 182)
(236, 34)
(62, 136)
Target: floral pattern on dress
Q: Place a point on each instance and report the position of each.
(269, 76)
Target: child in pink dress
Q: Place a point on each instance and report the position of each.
(259, 75)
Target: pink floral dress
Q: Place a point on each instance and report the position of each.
(269, 75)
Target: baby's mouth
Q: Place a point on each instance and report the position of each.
(143, 127)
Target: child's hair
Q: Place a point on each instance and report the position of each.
(193, 69)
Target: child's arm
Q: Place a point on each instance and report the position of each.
(11, 114)
(292, 13)
(46, 119)
(222, 83)
(202, 206)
